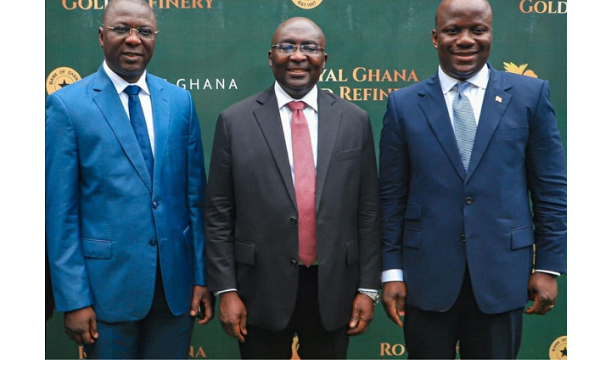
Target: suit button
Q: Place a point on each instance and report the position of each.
(153, 242)
(469, 201)
(294, 263)
(463, 238)
(155, 204)
(293, 221)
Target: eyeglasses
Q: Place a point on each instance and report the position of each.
(305, 49)
(125, 31)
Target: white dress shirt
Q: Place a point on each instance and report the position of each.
(310, 112)
(120, 85)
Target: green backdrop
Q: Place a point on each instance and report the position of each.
(217, 49)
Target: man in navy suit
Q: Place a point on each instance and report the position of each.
(462, 154)
(125, 188)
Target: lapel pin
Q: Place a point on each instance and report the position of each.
(498, 99)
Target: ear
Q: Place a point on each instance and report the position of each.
(324, 60)
(101, 36)
(434, 38)
(270, 60)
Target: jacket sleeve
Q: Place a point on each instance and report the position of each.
(220, 213)
(65, 254)
(196, 186)
(394, 180)
(547, 183)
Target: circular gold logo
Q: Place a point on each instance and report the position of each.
(61, 77)
(558, 349)
(307, 4)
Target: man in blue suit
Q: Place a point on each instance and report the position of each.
(125, 188)
(462, 154)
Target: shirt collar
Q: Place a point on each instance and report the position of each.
(479, 80)
(283, 98)
(121, 84)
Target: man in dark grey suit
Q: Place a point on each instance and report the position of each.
(292, 211)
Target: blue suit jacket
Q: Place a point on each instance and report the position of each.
(437, 218)
(107, 224)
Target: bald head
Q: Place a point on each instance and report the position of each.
(297, 24)
(111, 4)
(477, 5)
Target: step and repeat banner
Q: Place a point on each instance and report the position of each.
(217, 50)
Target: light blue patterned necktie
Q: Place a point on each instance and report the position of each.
(465, 126)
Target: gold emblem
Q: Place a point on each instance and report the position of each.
(499, 99)
(61, 77)
(295, 346)
(558, 349)
(307, 4)
(520, 69)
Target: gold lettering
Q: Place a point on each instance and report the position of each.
(209, 4)
(89, 4)
(331, 76)
(373, 76)
(185, 4)
(413, 77)
(560, 8)
(198, 353)
(398, 76)
(345, 92)
(400, 351)
(82, 354)
(387, 76)
(385, 349)
(544, 7)
(97, 6)
(521, 6)
(355, 73)
(64, 4)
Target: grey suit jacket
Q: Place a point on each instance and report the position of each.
(251, 214)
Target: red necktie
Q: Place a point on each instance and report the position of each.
(305, 185)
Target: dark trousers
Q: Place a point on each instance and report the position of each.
(160, 335)
(434, 335)
(314, 341)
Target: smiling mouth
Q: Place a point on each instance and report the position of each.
(297, 71)
(131, 55)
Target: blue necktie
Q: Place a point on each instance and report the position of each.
(138, 123)
(465, 126)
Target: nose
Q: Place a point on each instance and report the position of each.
(298, 55)
(133, 37)
(465, 38)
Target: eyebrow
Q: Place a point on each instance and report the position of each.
(292, 41)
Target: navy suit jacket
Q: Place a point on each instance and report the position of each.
(108, 225)
(438, 219)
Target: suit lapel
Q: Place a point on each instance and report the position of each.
(107, 100)
(329, 123)
(269, 120)
(434, 108)
(160, 115)
(495, 102)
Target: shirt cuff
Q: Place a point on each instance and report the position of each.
(225, 291)
(392, 275)
(549, 272)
